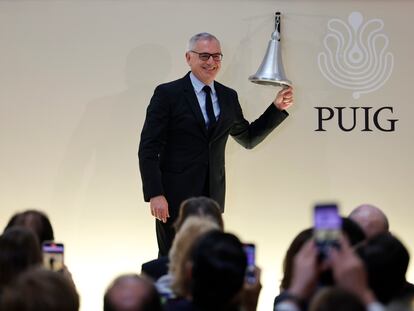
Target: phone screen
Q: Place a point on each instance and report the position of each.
(327, 227)
(250, 250)
(53, 255)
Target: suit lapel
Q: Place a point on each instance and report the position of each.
(193, 102)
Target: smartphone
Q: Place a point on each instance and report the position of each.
(327, 228)
(250, 250)
(53, 255)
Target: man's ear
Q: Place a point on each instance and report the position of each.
(187, 57)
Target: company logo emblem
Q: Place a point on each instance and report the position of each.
(355, 55)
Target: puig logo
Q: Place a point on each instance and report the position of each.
(355, 57)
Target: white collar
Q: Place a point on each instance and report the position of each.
(198, 85)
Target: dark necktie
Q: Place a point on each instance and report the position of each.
(209, 107)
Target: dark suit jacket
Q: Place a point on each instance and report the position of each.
(156, 268)
(177, 153)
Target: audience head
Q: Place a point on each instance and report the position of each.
(19, 250)
(386, 261)
(293, 249)
(39, 289)
(199, 206)
(180, 254)
(219, 265)
(333, 298)
(371, 219)
(36, 221)
(130, 292)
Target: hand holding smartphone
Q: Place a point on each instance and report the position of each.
(53, 255)
(250, 250)
(327, 228)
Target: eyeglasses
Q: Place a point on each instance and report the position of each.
(206, 56)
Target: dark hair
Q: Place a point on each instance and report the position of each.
(219, 265)
(35, 220)
(338, 299)
(19, 250)
(199, 206)
(293, 249)
(150, 302)
(353, 231)
(386, 261)
(39, 289)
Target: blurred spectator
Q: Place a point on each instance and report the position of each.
(36, 221)
(177, 282)
(371, 219)
(293, 249)
(352, 231)
(131, 292)
(386, 260)
(196, 206)
(199, 206)
(218, 272)
(347, 269)
(40, 290)
(19, 250)
(334, 298)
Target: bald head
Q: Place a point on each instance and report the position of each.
(131, 292)
(371, 219)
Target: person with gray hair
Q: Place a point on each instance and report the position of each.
(183, 140)
(197, 37)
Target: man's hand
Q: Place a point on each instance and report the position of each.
(159, 208)
(284, 99)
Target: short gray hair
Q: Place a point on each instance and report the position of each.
(200, 36)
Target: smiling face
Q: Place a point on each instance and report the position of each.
(205, 71)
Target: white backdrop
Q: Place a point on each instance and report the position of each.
(75, 80)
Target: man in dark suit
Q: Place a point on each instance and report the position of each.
(188, 121)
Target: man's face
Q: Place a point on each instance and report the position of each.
(206, 71)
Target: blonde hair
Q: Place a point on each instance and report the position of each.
(180, 253)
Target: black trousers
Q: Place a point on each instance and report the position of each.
(165, 236)
(166, 232)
